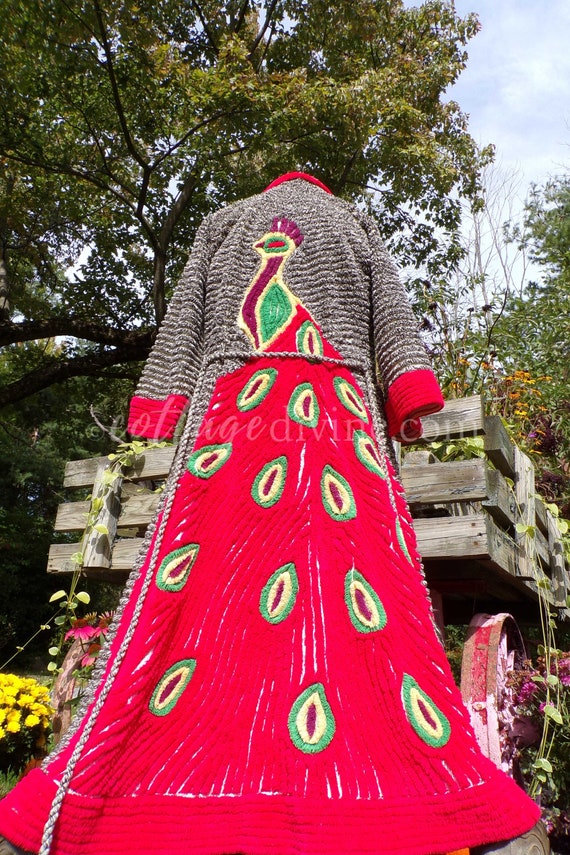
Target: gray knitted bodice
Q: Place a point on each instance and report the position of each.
(341, 272)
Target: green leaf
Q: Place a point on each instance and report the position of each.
(529, 530)
(102, 529)
(60, 620)
(57, 596)
(553, 713)
(83, 597)
(543, 763)
(552, 680)
(53, 651)
(52, 666)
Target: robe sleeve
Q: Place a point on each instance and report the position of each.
(409, 386)
(172, 368)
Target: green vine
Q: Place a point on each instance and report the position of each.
(542, 768)
(121, 461)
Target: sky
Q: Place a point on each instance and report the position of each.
(516, 87)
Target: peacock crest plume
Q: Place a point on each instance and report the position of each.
(268, 305)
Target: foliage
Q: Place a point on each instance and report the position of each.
(465, 448)
(25, 714)
(65, 619)
(37, 437)
(534, 704)
(454, 643)
(8, 781)
(123, 124)
(535, 332)
(90, 631)
(507, 337)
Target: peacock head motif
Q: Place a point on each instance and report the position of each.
(282, 239)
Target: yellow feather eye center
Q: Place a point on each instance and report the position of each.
(311, 720)
(363, 604)
(178, 566)
(305, 407)
(339, 496)
(280, 594)
(426, 713)
(209, 459)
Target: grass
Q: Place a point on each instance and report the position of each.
(8, 781)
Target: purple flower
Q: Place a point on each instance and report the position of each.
(527, 691)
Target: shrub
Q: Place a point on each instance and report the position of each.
(543, 693)
(25, 714)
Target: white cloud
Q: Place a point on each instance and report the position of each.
(516, 87)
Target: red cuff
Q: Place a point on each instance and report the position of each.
(155, 419)
(411, 396)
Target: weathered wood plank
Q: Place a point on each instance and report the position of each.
(499, 446)
(558, 569)
(524, 493)
(460, 417)
(502, 549)
(541, 553)
(154, 464)
(500, 501)
(452, 537)
(125, 553)
(541, 515)
(139, 509)
(72, 516)
(97, 545)
(123, 556)
(81, 473)
(457, 481)
(59, 557)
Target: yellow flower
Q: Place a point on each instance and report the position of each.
(11, 690)
(24, 703)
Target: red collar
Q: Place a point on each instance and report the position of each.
(290, 176)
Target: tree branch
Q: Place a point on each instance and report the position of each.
(263, 30)
(11, 333)
(164, 239)
(237, 25)
(115, 90)
(90, 178)
(209, 35)
(219, 114)
(80, 366)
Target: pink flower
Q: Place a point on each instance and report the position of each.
(90, 656)
(82, 630)
(527, 691)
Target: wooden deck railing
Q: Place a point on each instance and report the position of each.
(465, 514)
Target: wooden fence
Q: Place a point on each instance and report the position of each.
(465, 515)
